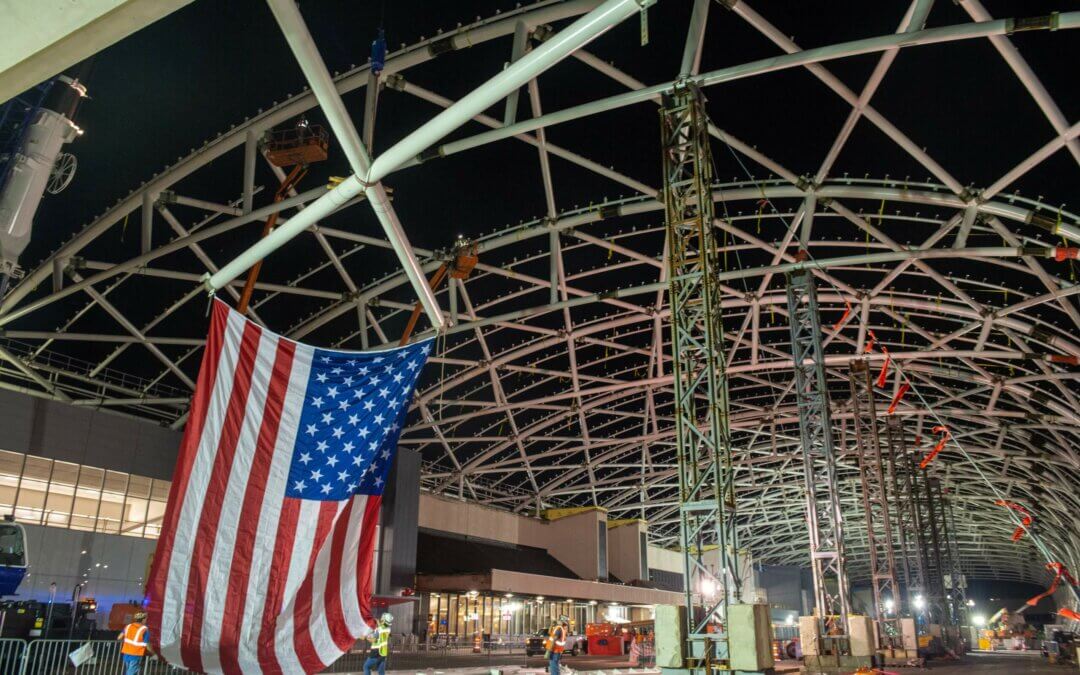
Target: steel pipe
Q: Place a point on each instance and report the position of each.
(161, 251)
(807, 56)
(322, 85)
(555, 49)
(843, 261)
(546, 11)
(576, 35)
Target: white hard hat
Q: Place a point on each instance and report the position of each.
(387, 617)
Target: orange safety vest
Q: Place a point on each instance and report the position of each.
(134, 639)
(556, 641)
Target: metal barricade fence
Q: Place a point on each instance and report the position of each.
(12, 653)
(51, 657)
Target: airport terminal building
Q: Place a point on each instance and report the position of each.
(91, 488)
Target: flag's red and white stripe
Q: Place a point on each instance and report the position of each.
(245, 579)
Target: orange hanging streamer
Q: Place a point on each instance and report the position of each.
(1068, 614)
(843, 317)
(899, 396)
(1025, 518)
(870, 344)
(884, 367)
(1059, 573)
(937, 448)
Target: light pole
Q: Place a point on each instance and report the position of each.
(48, 612)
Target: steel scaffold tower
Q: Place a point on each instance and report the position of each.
(950, 592)
(908, 531)
(706, 487)
(875, 501)
(824, 523)
(956, 583)
(933, 536)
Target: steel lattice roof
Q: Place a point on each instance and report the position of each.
(545, 397)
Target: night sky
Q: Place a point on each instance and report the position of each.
(190, 76)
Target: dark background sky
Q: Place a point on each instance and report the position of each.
(173, 85)
(191, 75)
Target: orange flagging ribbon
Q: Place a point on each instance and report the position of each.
(1025, 517)
(1059, 573)
(937, 448)
(1068, 614)
(843, 317)
(899, 396)
(884, 367)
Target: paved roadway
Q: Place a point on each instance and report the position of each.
(993, 664)
(972, 664)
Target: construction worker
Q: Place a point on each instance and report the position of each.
(556, 643)
(133, 645)
(380, 645)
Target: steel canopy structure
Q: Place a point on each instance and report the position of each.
(553, 385)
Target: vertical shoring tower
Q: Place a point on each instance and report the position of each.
(950, 594)
(909, 533)
(957, 582)
(823, 518)
(875, 500)
(933, 536)
(702, 441)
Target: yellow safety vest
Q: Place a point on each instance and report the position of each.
(382, 640)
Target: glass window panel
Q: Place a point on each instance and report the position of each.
(452, 615)
(61, 494)
(155, 513)
(87, 497)
(138, 499)
(160, 490)
(11, 464)
(12, 546)
(31, 491)
(111, 507)
(443, 614)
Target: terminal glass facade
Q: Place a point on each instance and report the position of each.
(457, 617)
(49, 492)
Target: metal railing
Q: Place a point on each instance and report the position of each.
(52, 657)
(12, 654)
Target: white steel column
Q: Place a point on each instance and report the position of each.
(695, 39)
(517, 50)
(251, 146)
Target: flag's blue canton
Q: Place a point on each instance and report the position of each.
(354, 408)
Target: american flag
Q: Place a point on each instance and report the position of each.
(265, 558)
